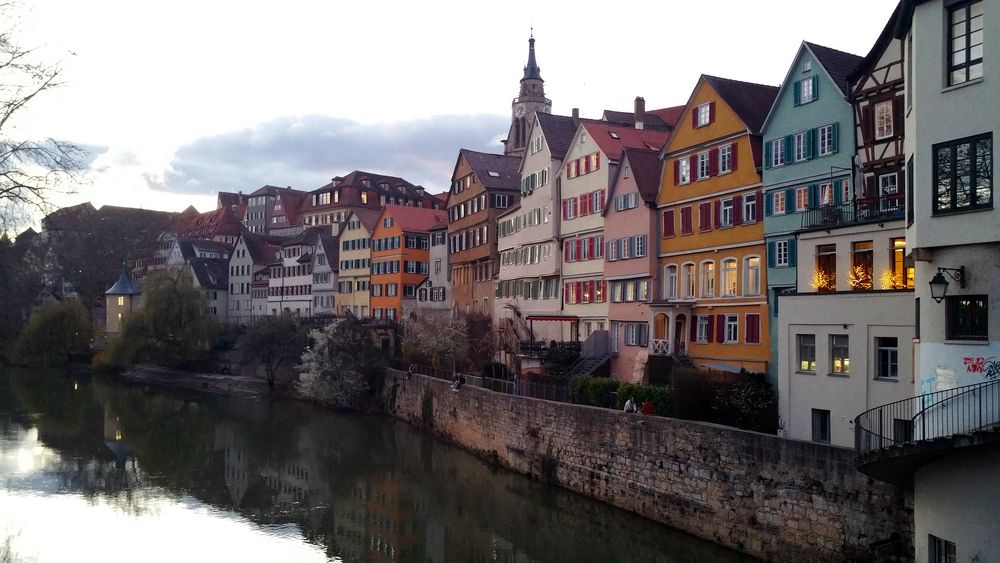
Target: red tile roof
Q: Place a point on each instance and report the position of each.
(415, 219)
(669, 116)
(367, 216)
(218, 222)
(604, 135)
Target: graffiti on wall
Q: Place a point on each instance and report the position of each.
(988, 367)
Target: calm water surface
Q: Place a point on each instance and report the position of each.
(93, 471)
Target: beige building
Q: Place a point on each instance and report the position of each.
(121, 300)
(354, 277)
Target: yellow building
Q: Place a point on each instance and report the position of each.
(713, 303)
(121, 300)
(355, 263)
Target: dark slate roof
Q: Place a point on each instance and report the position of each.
(271, 190)
(187, 247)
(559, 131)
(646, 167)
(368, 217)
(878, 48)
(308, 237)
(212, 273)
(504, 169)
(750, 101)
(661, 119)
(124, 285)
(838, 63)
(261, 247)
(531, 70)
(331, 247)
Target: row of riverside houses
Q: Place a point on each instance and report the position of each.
(760, 228)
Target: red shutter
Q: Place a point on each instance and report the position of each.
(738, 210)
(566, 250)
(693, 332)
(586, 164)
(590, 247)
(759, 208)
(578, 290)
(897, 116)
(720, 328)
(568, 170)
(686, 220)
(713, 162)
(565, 209)
(753, 328)
(694, 167)
(579, 248)
(668, 223)
(867, 124)
(566, 292)
(604, 195)
(584, 205)
(711, 328)
(597, 161)
(735, 152)
(705, 217)
(718, 214)
(711, 112)
(677, 172)
(694, 118)
(591, 288)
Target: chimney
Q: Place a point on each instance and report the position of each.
(576, 116)
(420, 190)
(288, 187)
(640, 111)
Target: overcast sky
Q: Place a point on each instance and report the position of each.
(186, 98)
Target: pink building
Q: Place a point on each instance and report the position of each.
(629, 262)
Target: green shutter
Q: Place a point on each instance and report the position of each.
(788, 148)
(796, 92)
(768, 204)
(836, 137)
(837, 193)
(767, 154)
(791, 252)
(789, 201)
(770, 254)
(813, 196)
(815, 80)
(810, 143)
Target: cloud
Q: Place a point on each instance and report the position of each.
(305, 152)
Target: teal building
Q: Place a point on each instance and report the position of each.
(808, 164)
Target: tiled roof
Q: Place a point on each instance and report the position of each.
(212, 273)
(292, 204)
(124, 285)
(331, 248)
(416, 219)
(308, 237)
(188, 247)
(218, 222)
(230, 199)
(750, 101)
(368, 217)
(559, 131)
(661, 119)
(494, 171)
(272, 190)
(612, 139)
(261, 247)
(669, 115)
(646, 168)
(838, 63)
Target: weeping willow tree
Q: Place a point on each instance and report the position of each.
(173, 328)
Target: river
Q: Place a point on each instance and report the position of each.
(95, 471)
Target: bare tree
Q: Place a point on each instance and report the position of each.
(31, 170)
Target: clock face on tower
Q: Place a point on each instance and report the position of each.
(519, 110)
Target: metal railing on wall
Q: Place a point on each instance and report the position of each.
(521, 388)
(962, 410)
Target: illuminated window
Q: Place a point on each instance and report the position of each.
(807, 352)
(840, 354)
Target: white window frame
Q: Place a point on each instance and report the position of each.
(777, 152)
(671, 277)
(805, 205)
(882, 115)
(750, 208)
(751, 280)
(726, 158)
(806, 92)
(707, 274)
(704, 168)
(801, 141)
(825, 135)
(776, 198)
(726, 213)
(701, 328)
(730, 267)
(704, 114)
(781, 253)
(689, 280)
(684, 171)
(732, 328)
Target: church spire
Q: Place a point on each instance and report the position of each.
(531, 71)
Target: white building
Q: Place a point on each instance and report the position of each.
(324, 267)
(434, 295)
(252, 254)
(290, 286)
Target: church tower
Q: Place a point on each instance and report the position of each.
(531, 99)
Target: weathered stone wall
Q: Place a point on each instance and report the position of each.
(771, 497)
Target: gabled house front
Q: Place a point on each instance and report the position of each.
(354, 275)
(713, 310)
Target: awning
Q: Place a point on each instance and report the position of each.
(559, 318)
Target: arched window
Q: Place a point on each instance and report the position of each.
(670, 282)
(751, 275)
(708, 278)
(688, 280)
(729, 284)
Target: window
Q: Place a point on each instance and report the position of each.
(701, 330)
(636, 334)
(703, 169)
(708, 279)
(729, 277)
(726, 159)
(825, 278)
(688, 280)
(826, 140)
(626, 172)
(883, 120)
(121, 301)
(861, 265)
(887, 357)
(751, 273)
(683, 170)
(840, 354)
(888, 192)
(807, 65)
(749, 208)
(777, 152)
(940, 550)
(802, 198)
(781, 253)
(807, 352)
(732, 328)
(727, 213)
(826, 194)
(967, 317)
(387, 222)
(704, 115)
(670, 287)
(801, 144)
(965, 42)
(778, 203)
(807, 90)
(902, 269)
(963, 173)
(821, 425)
(501, 201)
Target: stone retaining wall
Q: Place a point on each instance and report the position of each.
(774, 498)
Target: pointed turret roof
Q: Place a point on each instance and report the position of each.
(124, 285)
(531, 70)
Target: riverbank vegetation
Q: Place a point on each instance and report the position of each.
(172, 329)
(56, 334)
(342, 367)
(273, 345)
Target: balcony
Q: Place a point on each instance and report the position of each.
(862, 210)
(893, 440)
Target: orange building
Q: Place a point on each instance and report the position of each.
(400, 256)
(713, 304)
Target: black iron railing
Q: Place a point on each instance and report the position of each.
(962, 410)
(862, 210)
(518, 387)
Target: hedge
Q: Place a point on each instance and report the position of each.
(660, 396)
(597, 392)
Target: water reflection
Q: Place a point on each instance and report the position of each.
(174, 477)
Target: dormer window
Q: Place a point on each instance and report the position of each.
(493, 174)
(807, 65)
(703, 115)
(614, 135)
(387, 222)
(366, 183)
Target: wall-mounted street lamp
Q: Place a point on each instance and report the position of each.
(939, 285)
